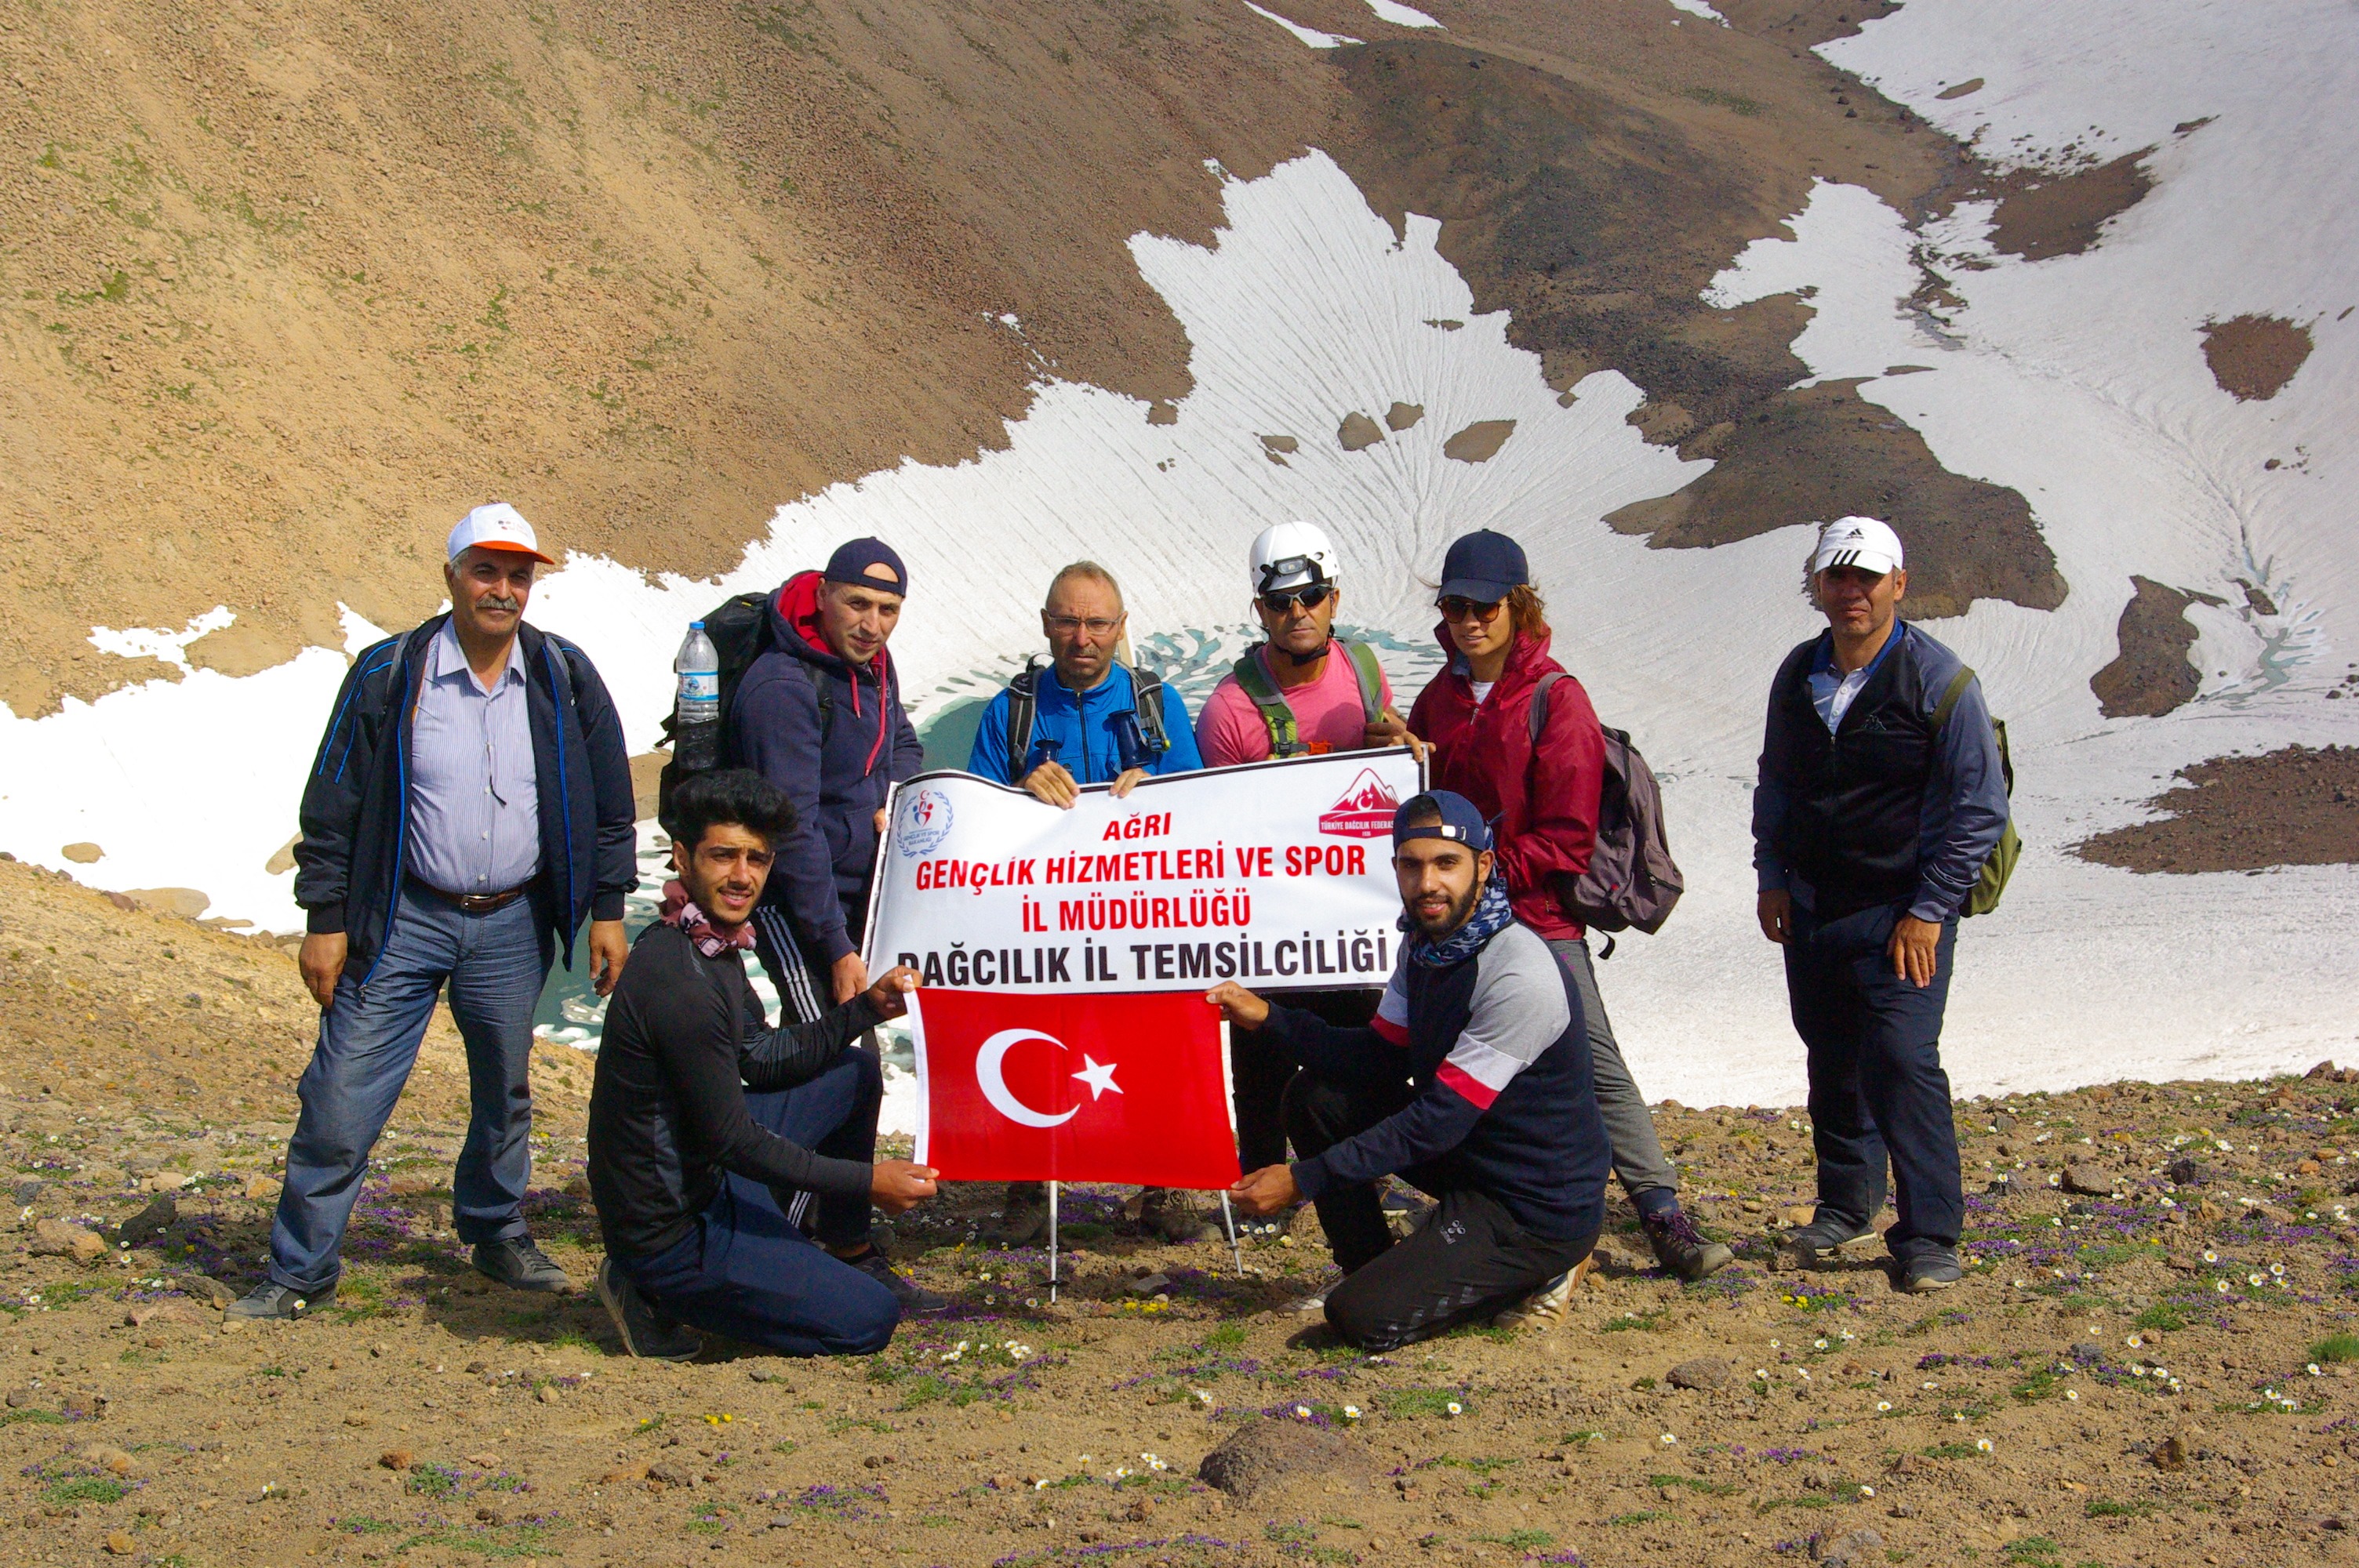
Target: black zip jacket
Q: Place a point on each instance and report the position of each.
(356, 814)
(685, 1038)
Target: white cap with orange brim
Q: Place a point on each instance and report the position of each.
(495, 526)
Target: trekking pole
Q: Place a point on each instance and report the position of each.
(1236, 1247)
(1052, 1243)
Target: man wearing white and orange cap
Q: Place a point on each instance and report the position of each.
(1882, 795)
(469, 806)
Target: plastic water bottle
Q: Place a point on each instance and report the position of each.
(696, 709)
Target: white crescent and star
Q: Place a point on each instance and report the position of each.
(990, 1072)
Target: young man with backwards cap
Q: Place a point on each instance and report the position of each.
(469, 806)
(1881, 796)
(819, 714)
(1472, 1084)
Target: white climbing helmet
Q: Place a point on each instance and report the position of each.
(1292, 554)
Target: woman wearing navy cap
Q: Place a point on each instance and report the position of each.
(1542, 800)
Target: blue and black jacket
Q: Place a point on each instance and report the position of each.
(1498, 1052)
(355, 815)
(1882, 810)
(1082, 725)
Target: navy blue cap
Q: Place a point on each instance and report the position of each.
(1485, 566)
(854, 556)
(1461, 822)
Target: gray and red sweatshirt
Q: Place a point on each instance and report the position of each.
(1498, 1052)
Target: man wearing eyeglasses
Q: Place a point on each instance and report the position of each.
(1089, 719)
(1301, 691)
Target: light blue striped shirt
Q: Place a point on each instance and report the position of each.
(474, 801)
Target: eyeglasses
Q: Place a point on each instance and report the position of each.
(1096, 626)
(1454, 608)
(1311, 596)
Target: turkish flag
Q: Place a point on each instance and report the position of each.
(1129, 1088)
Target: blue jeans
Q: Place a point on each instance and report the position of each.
(494, 964)
(1878, 1091)
(747, 1272)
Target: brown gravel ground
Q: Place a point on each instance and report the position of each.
(2156, 1370)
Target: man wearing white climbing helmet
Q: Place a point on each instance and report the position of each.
(1301, 691)
(1882, 800)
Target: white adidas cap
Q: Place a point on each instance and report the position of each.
(1291, 555)
(1861, 542)
(495, 526)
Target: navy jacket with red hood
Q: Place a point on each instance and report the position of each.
(834, 737)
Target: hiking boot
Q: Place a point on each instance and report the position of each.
(1543, 1309)
(1310, 1305)
(517, 1263)
(1927, 1271)
(1025, 1220)
(1681, 1247)
(272, 1300)
(1170, 1214)
(647, 1335)
(915, 1299)
(1812, 1246)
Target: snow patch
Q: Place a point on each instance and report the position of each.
(1401, 15)
(153, 642)
(1311, 36)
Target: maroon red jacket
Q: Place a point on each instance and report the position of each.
(1543, 808)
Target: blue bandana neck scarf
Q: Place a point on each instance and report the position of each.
(1492, 914)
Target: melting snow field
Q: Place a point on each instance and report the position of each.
(2078, 381)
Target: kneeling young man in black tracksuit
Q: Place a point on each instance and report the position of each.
(708, 1128)
(1472, 1085)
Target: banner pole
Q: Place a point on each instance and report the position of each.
(1052, 1243)
(1236, 1247)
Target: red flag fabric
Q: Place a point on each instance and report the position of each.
(1130, 1087)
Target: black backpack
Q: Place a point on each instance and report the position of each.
(740, 628)
(1023, 708)
(1632, 881)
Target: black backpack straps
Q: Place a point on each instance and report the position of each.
(1535, 716)
(1022, 711)
(1147, 697)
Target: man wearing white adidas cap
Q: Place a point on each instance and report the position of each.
(469, 809)
(1882, 795)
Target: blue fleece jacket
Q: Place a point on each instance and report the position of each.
(1082, 726)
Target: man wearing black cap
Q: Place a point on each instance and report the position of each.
(1472, 1083)
(819, 714)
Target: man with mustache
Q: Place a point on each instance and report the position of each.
(469, 809)
(1472, 1083)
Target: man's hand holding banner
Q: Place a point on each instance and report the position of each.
(1064, 953)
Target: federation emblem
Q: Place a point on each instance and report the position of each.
(925, 822)
(1366, 811)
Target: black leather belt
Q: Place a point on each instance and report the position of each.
(472, 902)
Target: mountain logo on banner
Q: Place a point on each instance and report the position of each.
(1364, 812)
(991, 1077)
(924, 823)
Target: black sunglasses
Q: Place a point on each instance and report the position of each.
(1311, 596)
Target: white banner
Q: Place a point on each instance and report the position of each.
(1277, 875)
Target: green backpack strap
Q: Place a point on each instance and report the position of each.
(1984, 896)
(1284, 736)
(1372, 679)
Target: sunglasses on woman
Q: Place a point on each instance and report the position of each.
(1454, 608)
(1311, 596)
